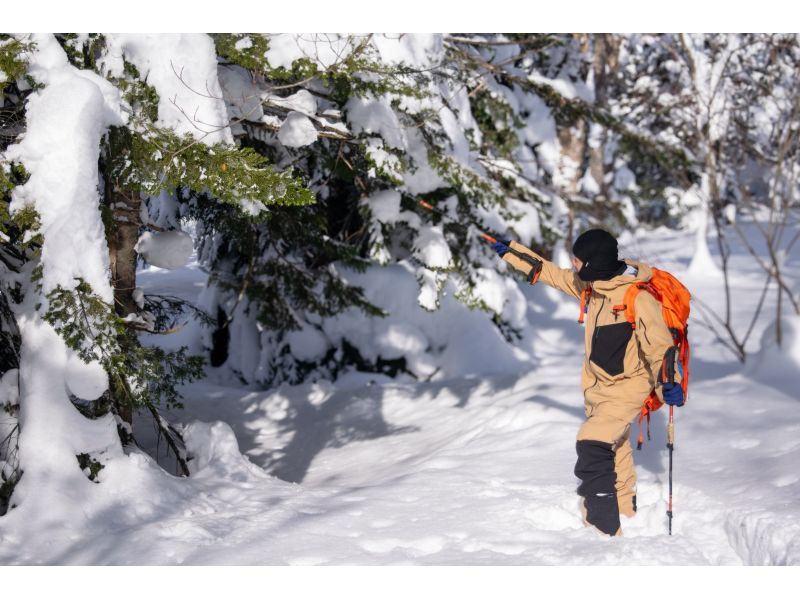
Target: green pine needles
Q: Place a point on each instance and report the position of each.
(139, 375)
(162, 160)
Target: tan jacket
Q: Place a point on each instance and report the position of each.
(614, 368)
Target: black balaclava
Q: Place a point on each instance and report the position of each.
(597, 249)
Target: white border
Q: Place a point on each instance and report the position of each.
(402, 15)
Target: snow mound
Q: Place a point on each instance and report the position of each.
(778, 364)
(215, 452)
(169, 249)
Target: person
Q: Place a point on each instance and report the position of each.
(620, 368)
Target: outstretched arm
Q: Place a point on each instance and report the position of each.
(563, 279)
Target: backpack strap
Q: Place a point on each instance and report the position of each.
(651, 404)
(629, 302)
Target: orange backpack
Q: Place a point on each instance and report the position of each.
(674, 299)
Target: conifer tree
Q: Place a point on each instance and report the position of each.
(141, 159)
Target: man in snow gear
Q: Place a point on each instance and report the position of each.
(622, 365)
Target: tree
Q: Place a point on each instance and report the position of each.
(89, 104)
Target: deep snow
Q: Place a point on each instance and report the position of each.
(471, 469)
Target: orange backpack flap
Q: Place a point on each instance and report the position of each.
(674, 298)
(586, 295)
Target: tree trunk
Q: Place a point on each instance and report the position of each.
(573, 146)
(605, 63)
(122, 236)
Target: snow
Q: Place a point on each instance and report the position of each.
(53, 492)
(703, 265)
(308, 344)
(418, 50)
(375, 115)
(86, 381)
(473, 466)
(322, 49)
(60, 150)
(569, 89)
(166, 249)
(778, 363)
(297, 130)
(301, 101)
(241, 92)
(183, 69)
(9, 389)
(244, 43)
(431, 247)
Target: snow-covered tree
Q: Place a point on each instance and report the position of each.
(112, 123)
(489, 129)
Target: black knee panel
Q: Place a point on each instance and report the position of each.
(595, 469)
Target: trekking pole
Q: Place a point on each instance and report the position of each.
(425, 204)
(670, 446)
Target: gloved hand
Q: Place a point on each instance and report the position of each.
(673, 391)
(673, 394)
(501, 246)
(670, 383)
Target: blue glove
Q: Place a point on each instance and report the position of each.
(673, 391)
(673, 394)
(501, 247)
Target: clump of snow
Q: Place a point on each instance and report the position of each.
(323, 49)
(215, 452)
(308, 344)
(624, 179)
(9, 387)
(375, 115)
(60, 149)
(87, 381)
(168, 249)
(297, 130)
(568, 89)
(244, 43)
(53, 432)
(183, 69)
(430, 283)
(385, 207)
(431, 247)
(138, 297)
(383, 159)
(241, 92)
(302, 102)
(420, 50)
(251, 207)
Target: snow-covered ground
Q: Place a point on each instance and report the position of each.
(474, 470)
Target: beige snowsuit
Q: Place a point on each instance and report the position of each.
(617, 374)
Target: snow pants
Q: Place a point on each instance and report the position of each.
(605, 464)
